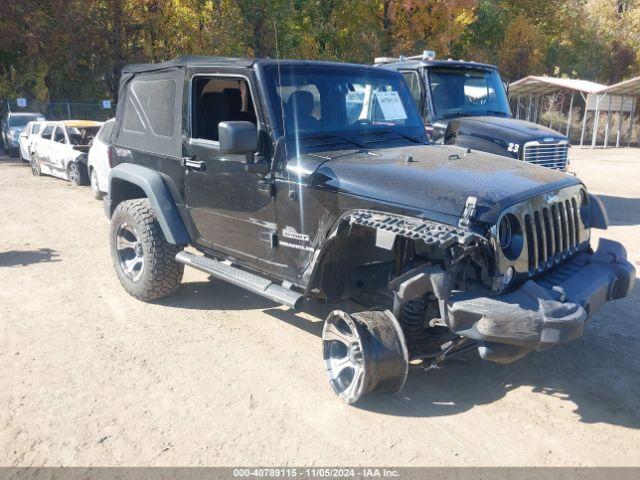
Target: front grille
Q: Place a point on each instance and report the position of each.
(553, 232)
(550, 155)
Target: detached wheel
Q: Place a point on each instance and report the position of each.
(77, 174)
(364, 353)
(35, 166)
(144, 260)
(95, 188)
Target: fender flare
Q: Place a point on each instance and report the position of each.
(151, 182)
(599, 217)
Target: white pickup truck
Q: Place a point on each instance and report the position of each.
(61, 150)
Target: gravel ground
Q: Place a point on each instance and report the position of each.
(217, 376)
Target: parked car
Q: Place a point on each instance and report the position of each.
(283, 187)
(13, 125)
(465, 103)
(61, 150)
(99, 163)
(27, 138)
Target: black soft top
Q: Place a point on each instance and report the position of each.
(188, 61)
(207, 61)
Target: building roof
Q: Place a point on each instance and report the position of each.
(533, 85)
(629, 88)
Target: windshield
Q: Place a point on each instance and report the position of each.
(458, 92)
(315, 100)
(81, 136)
(22, 120)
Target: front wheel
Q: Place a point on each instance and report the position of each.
(144, 261)
(364, 353)
(95, 187)
(35, 166)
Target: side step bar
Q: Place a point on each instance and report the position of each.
(247, 280)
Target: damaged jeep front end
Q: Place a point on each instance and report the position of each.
(453, 288)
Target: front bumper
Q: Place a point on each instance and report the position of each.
(546, 311)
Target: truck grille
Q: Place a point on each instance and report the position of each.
(553, 232)
(548, 231)
(550, 155)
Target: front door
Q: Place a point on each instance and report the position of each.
(231, 207)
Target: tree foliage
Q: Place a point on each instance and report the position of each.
(74, 50)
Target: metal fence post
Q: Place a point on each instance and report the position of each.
(569, 116)
(596, 120)
(607, 126)
(631, 115)
(619, 122)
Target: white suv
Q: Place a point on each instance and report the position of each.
(27, 138)
(99, 162)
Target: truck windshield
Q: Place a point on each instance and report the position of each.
(22, 119)
(311, 99)
(459, 92)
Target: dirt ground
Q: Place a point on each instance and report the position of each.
(217, 376)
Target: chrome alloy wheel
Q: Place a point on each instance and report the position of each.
(74, 173)
(364, 353)
(343, 356)
(130, 252)
(35, 166)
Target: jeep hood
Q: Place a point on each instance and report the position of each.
(431, 178)
(509, 129)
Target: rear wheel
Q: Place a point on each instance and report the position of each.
(364, 353)
(144, 260)
(95, 187)
(77, 174)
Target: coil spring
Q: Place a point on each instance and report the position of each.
(413, 319)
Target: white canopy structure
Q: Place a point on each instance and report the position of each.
(533, 85)
(621, 98)
(533, 88)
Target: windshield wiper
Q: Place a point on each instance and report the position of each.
(387, 131)
(458, 113)
(497, 112)
(326, 136)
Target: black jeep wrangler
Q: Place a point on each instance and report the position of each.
(465, 104)
(310, 181)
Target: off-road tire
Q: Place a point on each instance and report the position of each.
(161, 275)
(78, 178)
(95, 187)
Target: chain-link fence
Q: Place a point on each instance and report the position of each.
(62, 110)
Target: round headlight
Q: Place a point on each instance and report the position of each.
(585, 209)
(510, 236)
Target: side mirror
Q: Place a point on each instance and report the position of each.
(239, 138)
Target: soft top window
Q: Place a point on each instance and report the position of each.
(149, 117)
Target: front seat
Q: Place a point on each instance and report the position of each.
(298, 109)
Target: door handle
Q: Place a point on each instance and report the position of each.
(193, 164)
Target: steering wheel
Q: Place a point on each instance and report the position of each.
(476, 101)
